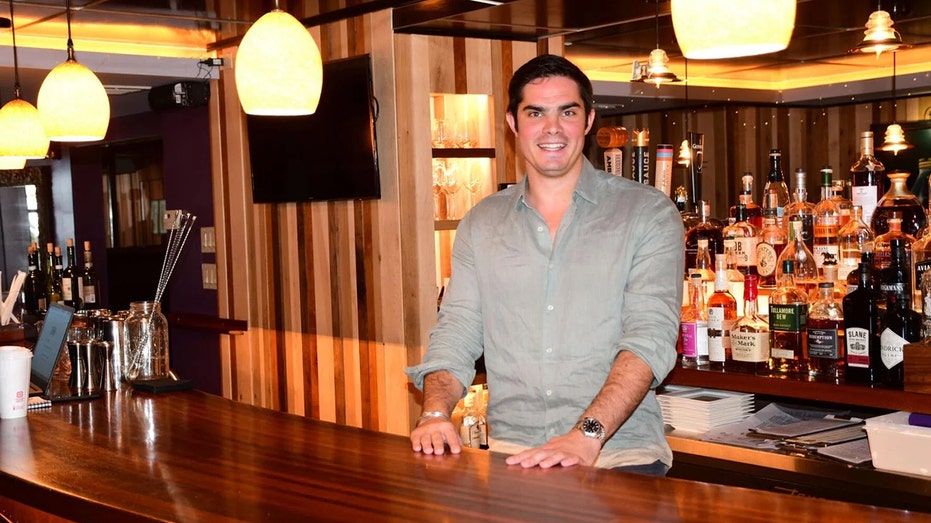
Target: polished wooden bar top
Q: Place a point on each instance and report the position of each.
(190, 456)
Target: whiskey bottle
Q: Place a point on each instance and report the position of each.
(867, 178)
(901, 203)
(776, 184)
(754, 211)
(750, 335)
(722, 313)
(839, 197)
(90, 282)
(788, 318)
(745, 237)
(704, 229)
(805, 270)
(827, 222)
(801, 209)
(71, 281)
(825, 331)
(693, 327)
(772, 242)
(862, 326)
(735, 278)
(882, 245)
(854, 238)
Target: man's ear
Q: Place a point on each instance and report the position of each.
(511, 123)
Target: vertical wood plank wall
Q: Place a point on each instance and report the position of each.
(340, 296)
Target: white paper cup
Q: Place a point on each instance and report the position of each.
(15, 365)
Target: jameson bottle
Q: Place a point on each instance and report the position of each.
(776, 184)
(901, 324)
(90, 291)
(750, 335)
(722, 313)
(788, 318)
(863, 310)
(867, 178)
(71, 281)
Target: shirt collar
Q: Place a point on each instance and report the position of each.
(586, 188)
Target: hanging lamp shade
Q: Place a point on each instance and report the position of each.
(895, 139)
(658, 72)
(12, 163)
(21, 131)
(73, 104)
(278, 67)
(708, 29)
(879, 35)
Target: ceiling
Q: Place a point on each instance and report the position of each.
(161, 41)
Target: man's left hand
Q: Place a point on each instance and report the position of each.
(567, 450)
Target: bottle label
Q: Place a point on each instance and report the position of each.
(766, 259)
(694, 339)
(826, 228)
(788, 317)
(716, 351)
(614, 161)
(865, 196)
(858, 347)
(822, 252)
(890, 348)
(90, 294)
(745, 251)
(752, 347)
(920, 269)
(822, 343)
(66, 293)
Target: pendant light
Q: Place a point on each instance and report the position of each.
(895, 136)
(708, 29)
(12, 163)
(879, 35)
(658, 72)
(21, 134)
(72, 102)
(278, 68)
(685, 149)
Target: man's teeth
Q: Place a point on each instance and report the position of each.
(551, 146)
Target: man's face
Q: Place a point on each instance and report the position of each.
(551, 126)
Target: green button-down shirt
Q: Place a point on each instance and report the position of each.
(551, 316)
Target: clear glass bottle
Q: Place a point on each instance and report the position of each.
(805, 270)
(863, 312)
(750, 335)
(827, 221)
(867, 178)
(825, 332)
(788, 315)
(772, 242)
(901, 203)
(722, 313)
(90, 290)
(147, 338)
(693, 326)
(735, 278)
(801, 209)
(829, 275)
(882, 245)
(839, 197)
(853, 239)
(704, 229)
(754, 211)
(704, 266)
(776, 184)
(745, 237)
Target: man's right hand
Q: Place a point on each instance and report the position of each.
(432, 435)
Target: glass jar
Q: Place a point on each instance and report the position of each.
(900, 201)
(147, 335)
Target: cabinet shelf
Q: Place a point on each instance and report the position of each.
(445, 225)
(846, 394)
(457, 152)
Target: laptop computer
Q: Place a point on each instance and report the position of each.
(45, 357)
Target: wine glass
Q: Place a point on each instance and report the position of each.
(474, 182)
(451, 185)
(441, 137)
(439, 176)
(466, 134)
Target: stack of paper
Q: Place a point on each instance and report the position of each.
(700, 410)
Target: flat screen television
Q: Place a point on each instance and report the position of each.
(329, 155)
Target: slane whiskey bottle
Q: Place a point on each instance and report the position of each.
(863, 310)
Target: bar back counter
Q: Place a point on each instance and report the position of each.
(190, 456)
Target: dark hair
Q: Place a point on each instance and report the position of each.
(545, 66)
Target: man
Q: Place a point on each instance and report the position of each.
(570, 284)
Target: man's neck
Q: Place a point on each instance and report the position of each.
(551, 196)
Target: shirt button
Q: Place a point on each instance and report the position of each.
(549, 307)
(539, 228)
(549, 393)
(549, 350)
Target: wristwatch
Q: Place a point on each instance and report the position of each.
(591, 428)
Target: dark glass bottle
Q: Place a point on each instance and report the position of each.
(57, 271)
(754, 211)
(901, 324)
(898, 202)
(90, 288)
(704, 230)
(34, 297)
(776, 184)
(71, 280)
(862, 326)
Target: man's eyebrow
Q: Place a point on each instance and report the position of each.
(541, 109)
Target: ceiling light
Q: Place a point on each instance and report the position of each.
(708, 29)
(278, 67)
(895, 137)
(657, 72)
(21, 133)
(73, 104)
(879, 35)
(12, 163)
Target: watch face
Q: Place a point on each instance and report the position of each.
(591, 426)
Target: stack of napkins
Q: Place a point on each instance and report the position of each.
(700, 410)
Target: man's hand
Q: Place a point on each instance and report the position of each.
(432, 435)
(566, 450)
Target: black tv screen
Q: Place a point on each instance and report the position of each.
(329, 155)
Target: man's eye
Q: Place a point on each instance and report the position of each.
(570, 112)
(534, 114)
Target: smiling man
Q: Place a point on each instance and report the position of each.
(569, 284)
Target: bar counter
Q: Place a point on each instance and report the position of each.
(190, 456)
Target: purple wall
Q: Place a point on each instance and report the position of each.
(185, 135)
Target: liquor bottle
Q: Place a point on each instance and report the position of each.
(735, 278)
(827, 221)
(703, 266)
(722, 313)
(867, 178)
(56, 294)
(805, 270)
(825, 330)
(901, 324)
(754, 211)
(52, 293)
(704, 229)
(71, 281)
(801, 209)
(34, 297)
(839, 197)
(921, 262)
(693, 326)
(882, 245)
(745, 237)
(776, 184)
(750, 335)
(90, 282)
(854, 238)
(829, 275)
(901, 203)
(862, 326)
(788, 315)
(772, 242)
